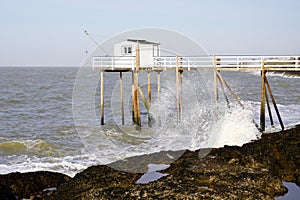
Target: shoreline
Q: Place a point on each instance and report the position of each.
(256, 170)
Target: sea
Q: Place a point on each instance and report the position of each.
(42, 126)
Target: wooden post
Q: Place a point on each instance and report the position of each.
(178, 89)
(262, 99)
(274, 103)
(180, 92)
(269, 109)
(122, 98)
(158, 86)
(102, 96)
(158, 97)
(215, 79)
(132, 96)
(149, 97)
(149, 89)
(137, 118)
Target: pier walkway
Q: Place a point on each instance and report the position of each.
(179, 64)
(222, 62)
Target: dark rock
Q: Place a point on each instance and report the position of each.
(29, 185)
(254, 171)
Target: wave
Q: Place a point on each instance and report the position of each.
(284, 74)
(29, 147)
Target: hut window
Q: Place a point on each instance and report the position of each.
(127, 50)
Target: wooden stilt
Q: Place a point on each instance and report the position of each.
(102, 96)
(274, 103)
(149, 97)
(122, 98)
(262, 99)
(215, 79)
(137, 117)
(178, 90)
(149, 88)
(158, 97)
(132, 96)
(158, 86)
(269, 109)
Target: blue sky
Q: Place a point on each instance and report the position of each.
(51, 32)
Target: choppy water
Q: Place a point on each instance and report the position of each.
(37, 130)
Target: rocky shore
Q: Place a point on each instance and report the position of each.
(254, 171)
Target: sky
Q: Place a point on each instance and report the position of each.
(51, 32)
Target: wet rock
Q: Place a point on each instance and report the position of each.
(29, 185)
(254, 171)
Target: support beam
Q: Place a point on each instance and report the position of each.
(269, 109)
(122, 98)
(274, 103)
(102, 96)
(223, 90)
(229, 89)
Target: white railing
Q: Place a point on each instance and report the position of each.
(256, 61)
(124, 62)
(223, 61)
(183, 62)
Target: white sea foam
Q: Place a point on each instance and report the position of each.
(237, 128)
(69, 165)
